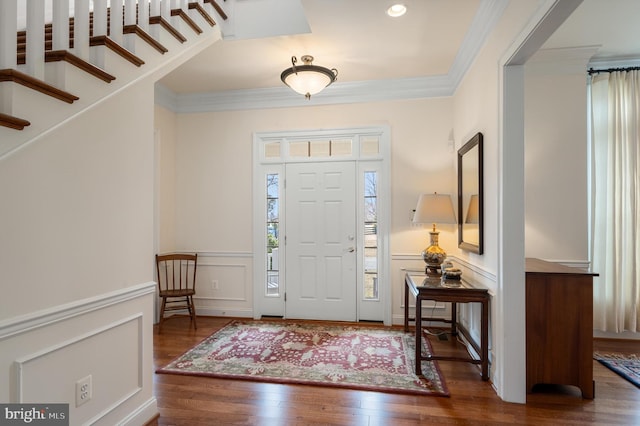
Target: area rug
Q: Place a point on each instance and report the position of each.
(627, 366)
(366, 358)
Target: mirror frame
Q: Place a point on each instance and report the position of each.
(475, 141)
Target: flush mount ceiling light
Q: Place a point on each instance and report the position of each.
(308, 79)
(397, 10)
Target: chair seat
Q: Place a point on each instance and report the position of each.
(177, 293)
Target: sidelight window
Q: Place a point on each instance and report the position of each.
(370, 239)
(272, 235)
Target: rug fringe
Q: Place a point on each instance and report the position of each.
(615, 355)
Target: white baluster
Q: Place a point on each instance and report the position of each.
(60, 25)
(129, 42)
(99, 17)
(117, 12)
(155, 8)
(130, 12)
(35, 39)
(143, 15)
(165, 9)
(8, 30)
(81, 29)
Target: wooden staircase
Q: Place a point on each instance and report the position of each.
(84, 40)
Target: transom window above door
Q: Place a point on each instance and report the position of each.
(358, 146)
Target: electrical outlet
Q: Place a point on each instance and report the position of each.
(215, 285)
(84, 390)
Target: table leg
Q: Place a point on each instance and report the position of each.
(484, 339)
(418, 335)
(406, 306)
(454, 319)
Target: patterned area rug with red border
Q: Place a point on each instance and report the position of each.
(626, 366)
(366, 358)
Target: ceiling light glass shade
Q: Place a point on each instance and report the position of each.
(308, 79)
(397, 10)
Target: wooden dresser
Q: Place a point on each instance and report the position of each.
(559, 326)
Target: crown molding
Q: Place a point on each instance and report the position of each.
(487, 16)
(280, 97)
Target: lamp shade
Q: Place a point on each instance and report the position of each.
(473, 211)
(434, 208)
(308, 79)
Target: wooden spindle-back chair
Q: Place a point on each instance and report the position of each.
(177, 283)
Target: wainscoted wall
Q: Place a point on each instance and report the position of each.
(109, 337)
(224, 284)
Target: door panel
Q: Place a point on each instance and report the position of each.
(321, 227)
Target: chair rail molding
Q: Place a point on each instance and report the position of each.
(25, 323)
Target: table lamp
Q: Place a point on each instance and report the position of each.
(434, 208)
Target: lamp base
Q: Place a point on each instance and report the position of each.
(433, 270)
(433, 256)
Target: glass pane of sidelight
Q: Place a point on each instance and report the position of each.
(369, 146)
(370, 239)
(272, 234)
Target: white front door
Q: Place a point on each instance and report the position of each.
(321, 241)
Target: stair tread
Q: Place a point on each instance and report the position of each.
(13, 122)
(36, 84)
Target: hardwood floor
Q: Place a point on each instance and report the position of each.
(193, 401)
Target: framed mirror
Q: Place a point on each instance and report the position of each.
(470, 195)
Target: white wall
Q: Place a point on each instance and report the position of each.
(556, 209)
(165, 130)
(213, 185)
(76, 257)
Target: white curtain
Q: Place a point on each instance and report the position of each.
(615, 180)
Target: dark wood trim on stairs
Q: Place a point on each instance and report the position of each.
(103, 40)
(190, 22)
(35, 84)
(13, 122)
(65, 55)
(153, 20)
(202, 12)
(137, 30)
(217, 8)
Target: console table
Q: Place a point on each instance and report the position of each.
(428, 287)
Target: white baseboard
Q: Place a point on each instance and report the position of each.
(142, 415)
(233, 312)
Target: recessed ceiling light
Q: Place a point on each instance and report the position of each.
(397, 10)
